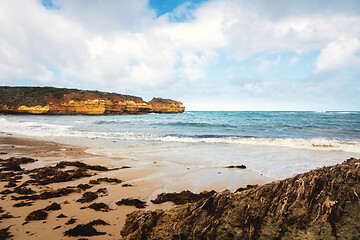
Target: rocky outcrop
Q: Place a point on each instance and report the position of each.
(62, 101)
(320, 204)
(160, 105)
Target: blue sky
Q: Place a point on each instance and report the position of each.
(209, 54)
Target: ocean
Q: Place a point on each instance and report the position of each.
(274, 144)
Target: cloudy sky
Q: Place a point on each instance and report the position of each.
(209, 54)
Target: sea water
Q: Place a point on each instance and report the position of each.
(275, 144)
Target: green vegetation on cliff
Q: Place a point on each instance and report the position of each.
(51, 100)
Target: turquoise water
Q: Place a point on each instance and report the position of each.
(278, 144)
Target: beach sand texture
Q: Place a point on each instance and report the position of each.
(139, 180)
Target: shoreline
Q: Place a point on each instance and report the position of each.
(148, 179)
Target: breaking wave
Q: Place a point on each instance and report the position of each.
(55, 130)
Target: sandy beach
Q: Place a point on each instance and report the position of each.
(141, 180)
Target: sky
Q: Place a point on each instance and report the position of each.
(209, 54)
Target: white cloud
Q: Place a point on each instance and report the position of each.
(339, 54)
(265, 64)
(123, 44)
(294, 60)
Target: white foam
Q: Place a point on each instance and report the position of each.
(39, 129)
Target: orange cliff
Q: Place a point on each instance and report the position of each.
(61, 101)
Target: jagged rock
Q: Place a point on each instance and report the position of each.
(247, 187)
(320, 204)
(131, 202)
(62, 101)
(140, 224)
(182, 197)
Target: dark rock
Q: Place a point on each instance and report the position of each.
(319, 204)
(83, 230)
(247, 187)
(53, 207)
(61, 216)
(36, 215)
(106, 179)
(47, 175)
(13, 164)
(182, 197)
(124, 167)
(238, 166)
(81, 165)
(102, 190)
(98, 222)
(23, 204)
(139, 225)
(71, 221)
(88, 197)
(127, 185)
(23, 190)
(12, 183)
(8, 176)
(56, 227)
(5, 233)
(5, 216)
(6, 192)
(84, 186)
(46, 195)
(99, 207)
(131, 202)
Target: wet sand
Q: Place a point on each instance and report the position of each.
(147, 180)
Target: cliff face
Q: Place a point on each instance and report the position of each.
(47, 100)
(160, 105)
(320, 204)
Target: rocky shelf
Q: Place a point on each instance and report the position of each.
(320, 204)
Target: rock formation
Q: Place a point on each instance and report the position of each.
(320, 204)
(62, 101)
